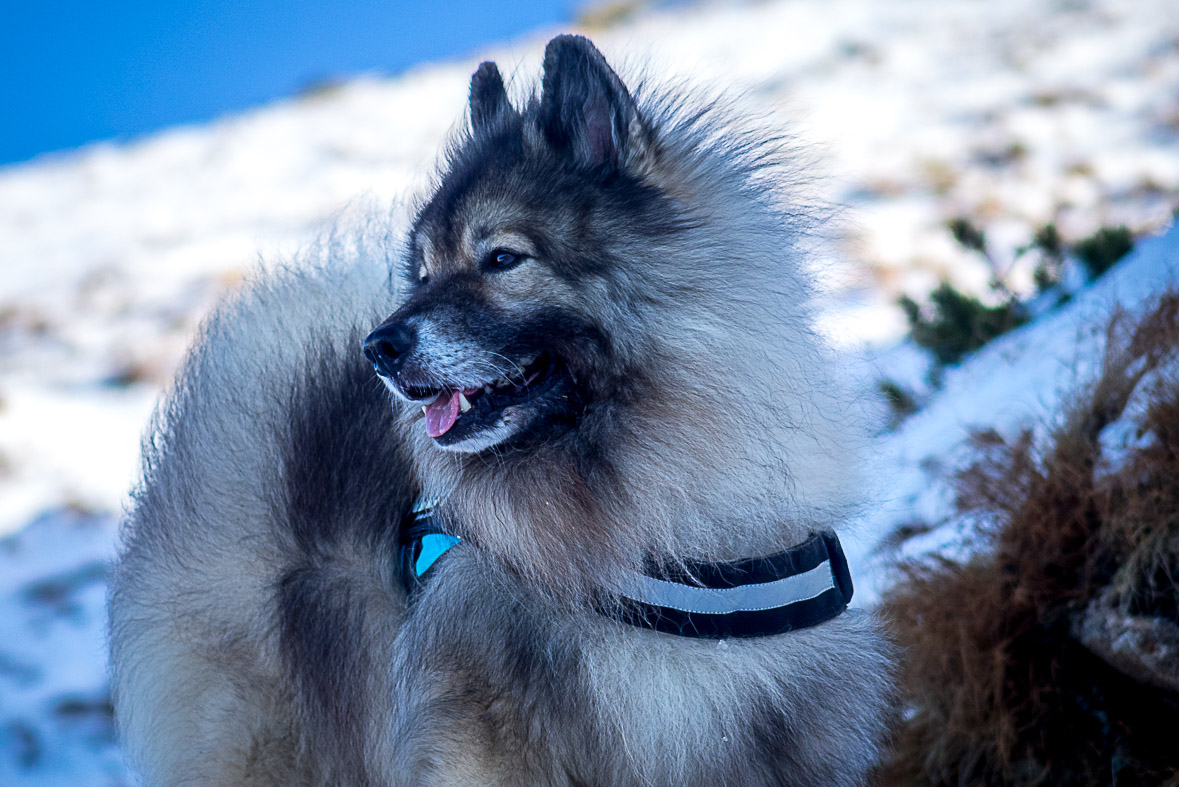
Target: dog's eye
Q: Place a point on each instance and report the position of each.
(502, 259)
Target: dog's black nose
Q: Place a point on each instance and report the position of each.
(386, 346)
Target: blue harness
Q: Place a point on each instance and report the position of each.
(801, 587)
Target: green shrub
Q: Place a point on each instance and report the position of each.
(968, 235)
(954, 324)
(1048, 241)
(1103, 248)
(901, 402)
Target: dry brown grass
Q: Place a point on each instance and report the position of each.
(999, 686)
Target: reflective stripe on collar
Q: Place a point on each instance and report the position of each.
(723, 601)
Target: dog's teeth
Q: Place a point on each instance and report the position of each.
(464, 405)
(487, 388)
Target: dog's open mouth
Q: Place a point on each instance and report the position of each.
(454, 414)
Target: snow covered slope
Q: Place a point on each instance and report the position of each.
(55, 716)
(1011, 112)
(1018, 381)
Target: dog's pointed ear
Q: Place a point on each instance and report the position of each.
(585, 110)
(489, 99)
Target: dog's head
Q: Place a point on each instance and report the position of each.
(606, 326)
(518, 263)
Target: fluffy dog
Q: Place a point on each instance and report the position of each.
(591, 540)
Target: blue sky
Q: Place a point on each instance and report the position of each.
(76, 72)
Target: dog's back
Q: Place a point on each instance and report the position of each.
(272, 485)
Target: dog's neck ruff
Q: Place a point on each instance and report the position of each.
(803, 586)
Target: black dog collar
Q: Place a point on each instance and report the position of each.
(804, 586)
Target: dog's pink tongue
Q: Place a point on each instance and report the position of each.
(442, 413)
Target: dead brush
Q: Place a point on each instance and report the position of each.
(1050, 655)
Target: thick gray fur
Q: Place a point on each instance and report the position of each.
(259, 635)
